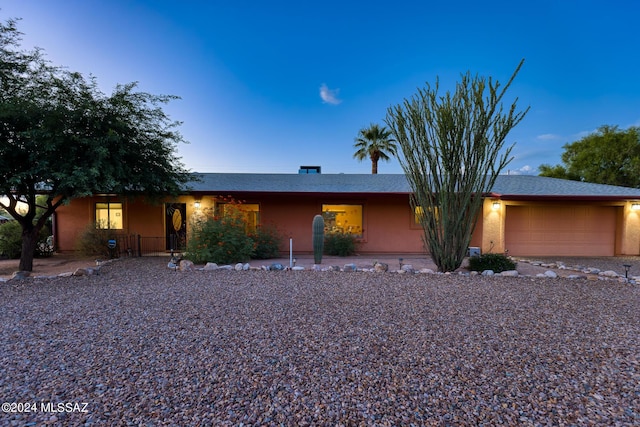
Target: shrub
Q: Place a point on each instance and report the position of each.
(340, 244)
(44, 248)
(266, 242)
(93, 241)
(220, 239)
(496, 262)
(11, 241)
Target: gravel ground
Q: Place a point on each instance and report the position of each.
(143, 345)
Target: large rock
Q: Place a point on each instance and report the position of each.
(381, 267)
(19, 275)
(276, 266)
(509, 273)
(350, 267)
(84, 272)
(210, 266)
(186, 265)
(407, 268)
(609, 273)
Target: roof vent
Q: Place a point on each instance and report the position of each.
(309, 169)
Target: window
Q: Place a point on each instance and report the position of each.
(250, 212)
(109, 216)
(420, 215)
(343, 219)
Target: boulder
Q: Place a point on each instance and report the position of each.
(238, 267)
(349, 267)
(609, 273)
(408, 268)
(550, 273)
(210, 266)
(381, 267)
(509, 273)
(19, 275)
(83, 272)
(276, 266)
(488, 273)
(186, 265)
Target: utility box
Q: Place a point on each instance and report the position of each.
(473, 251)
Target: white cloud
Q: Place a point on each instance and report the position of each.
(548, 137)
(329, 96)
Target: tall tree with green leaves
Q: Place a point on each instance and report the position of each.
(607, 156)
(375, 143)
(62, 137)
(453, 148)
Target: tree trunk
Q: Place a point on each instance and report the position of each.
(375, 157)
(29, 241)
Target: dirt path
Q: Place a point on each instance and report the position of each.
(57, 264)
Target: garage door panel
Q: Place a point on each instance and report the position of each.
(560, 230)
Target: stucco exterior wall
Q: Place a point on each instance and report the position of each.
(388, 221)
(630, 230)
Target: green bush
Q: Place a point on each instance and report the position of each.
(220, 239)
(340, 244)
(266, 243)
(11, 241)
(495, 262)
(93, 241)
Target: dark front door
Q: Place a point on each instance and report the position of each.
(176, 226)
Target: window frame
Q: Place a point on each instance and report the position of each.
(363, 229)
(109, 209)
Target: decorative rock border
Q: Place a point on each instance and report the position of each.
(588, 273)
(84, 271)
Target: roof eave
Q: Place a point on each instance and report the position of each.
(556, 198)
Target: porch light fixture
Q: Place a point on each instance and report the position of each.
(196, 204)
(635, 207)
(495, 206)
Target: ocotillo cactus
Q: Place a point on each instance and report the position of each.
(318, 238)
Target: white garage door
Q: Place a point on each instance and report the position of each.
(560, 230)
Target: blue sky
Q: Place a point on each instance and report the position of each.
(269, 86)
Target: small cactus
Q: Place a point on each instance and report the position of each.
(318, 238)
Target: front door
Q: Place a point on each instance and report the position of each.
(176, 226)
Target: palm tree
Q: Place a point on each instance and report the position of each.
(375, 143)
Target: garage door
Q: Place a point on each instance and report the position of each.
(560, 230)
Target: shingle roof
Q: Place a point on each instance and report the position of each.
(302, 183)
(506, 185)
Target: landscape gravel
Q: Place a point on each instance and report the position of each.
(144, 345)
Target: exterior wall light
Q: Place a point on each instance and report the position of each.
(635, 207)
(196, 204)
(495, 206)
